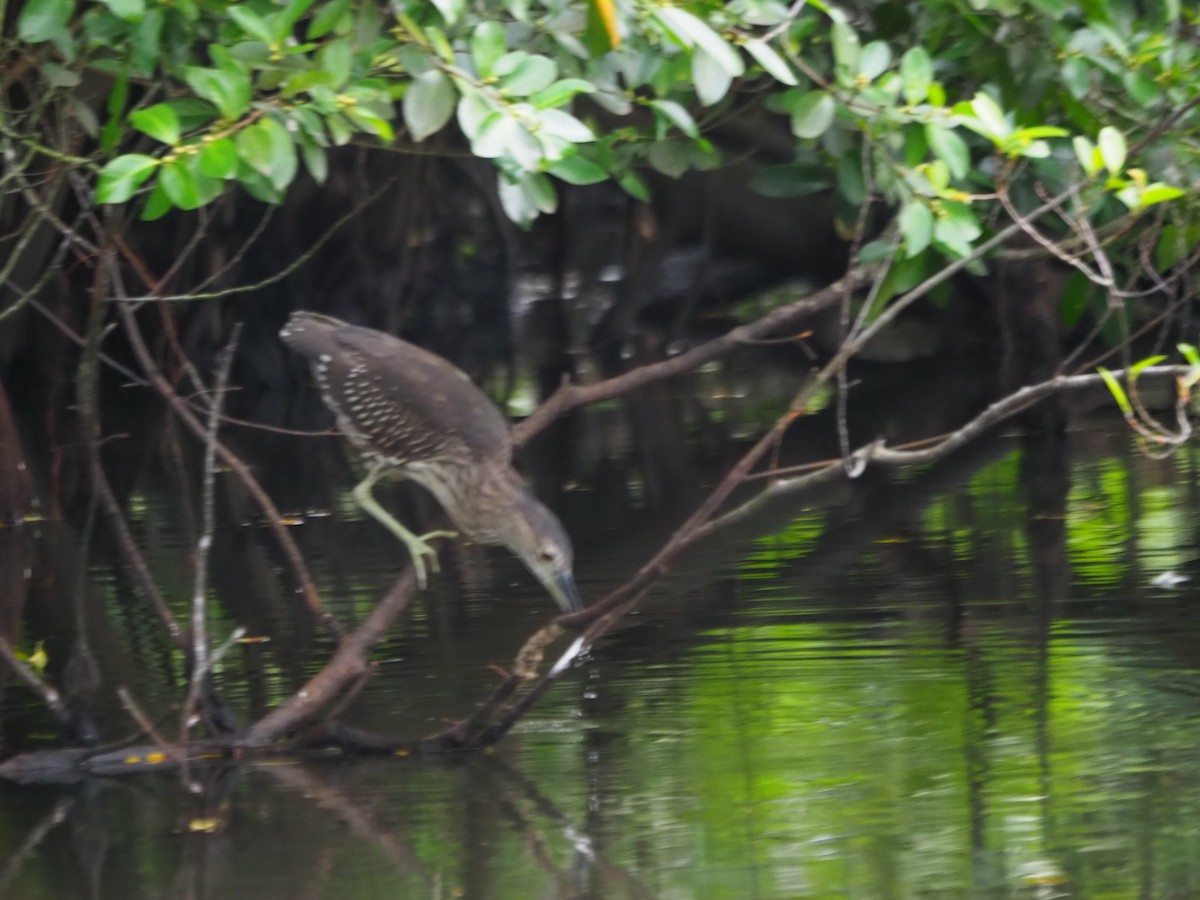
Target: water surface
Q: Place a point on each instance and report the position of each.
(958, 683)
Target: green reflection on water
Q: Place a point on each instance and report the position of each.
(933, 721)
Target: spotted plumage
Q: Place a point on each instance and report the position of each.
(412, 413)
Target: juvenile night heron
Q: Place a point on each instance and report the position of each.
(415, 415)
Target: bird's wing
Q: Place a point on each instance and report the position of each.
(431, 389)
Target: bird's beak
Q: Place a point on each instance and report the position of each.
(562, 588)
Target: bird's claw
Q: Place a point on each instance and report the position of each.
(420, 548)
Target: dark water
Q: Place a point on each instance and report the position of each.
(959, 683)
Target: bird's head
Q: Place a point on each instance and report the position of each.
(539, 539)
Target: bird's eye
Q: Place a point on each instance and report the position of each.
(548, 554)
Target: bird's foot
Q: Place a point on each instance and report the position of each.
(420, 548)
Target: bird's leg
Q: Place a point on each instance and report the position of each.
(418, 545)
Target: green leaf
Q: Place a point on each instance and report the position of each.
(159, 121)
(336, 58)
(850, 181)
(577, 170)
(497, 134)
(632, 184)
(1159, 193)
(251, 23)
(110, 136)
(1117, 391)
(192, 112)
(179, 185)
(695, 32)
(710, 79)
(515, 201)
(315, 161)
(305, 81)
(678, 116)
(916, 226)
(1039, 131)
(601, 30)
(949, 148)
(529, 75)
(219, 158)
(874, 251)
(285, 21)
(1172, 246)
(258, 186)
(1190, 354)
(874, 60)
(1141, 88)
(370, 121)
(540, 191)
(561, 92)
(327, 19)
(440, 44)
(474, 107)
(208, 188)
(774, 64)
(1111, 37)
(267, 148)
(228, 91)
(566, 126)
(671, 158)
(956, 227)
(1138, 367)
(129, 10)
(812, 114)
(42, 20)
(1030, 150)
(937, 173)
(487, 47)
(1130, 195)
(450, 9)
(429, 104)
(845, 46)
(1112, 149)
(158, 204)
(1087, 154)
(908, 273)
(121, 177)
(990, 116)
(916, 74)
(1077, 76)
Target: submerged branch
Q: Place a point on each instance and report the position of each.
(349, 664)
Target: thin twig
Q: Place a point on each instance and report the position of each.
(281, 274)
(201, 663)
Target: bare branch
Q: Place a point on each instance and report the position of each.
(572, 396)
(348, 664)
(201, 663)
